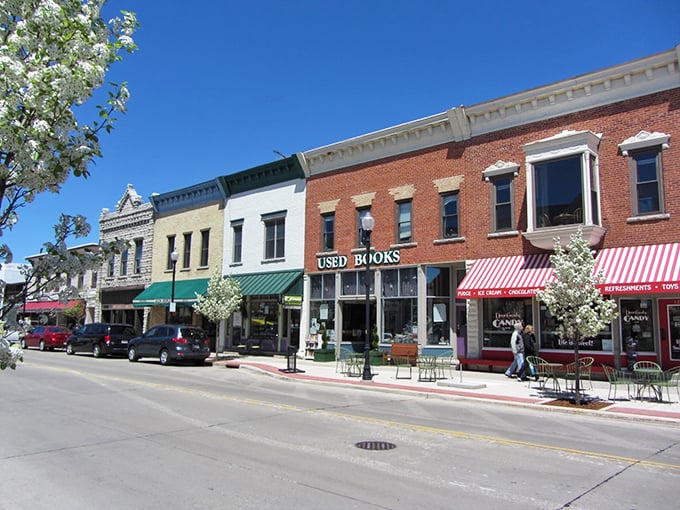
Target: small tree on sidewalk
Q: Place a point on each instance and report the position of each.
(222, 298)
(573, 298)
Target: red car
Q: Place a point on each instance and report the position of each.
(46, 337)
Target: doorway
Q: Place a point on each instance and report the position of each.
(354, 323)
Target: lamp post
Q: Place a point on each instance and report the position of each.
(367, 224)
(173, 260)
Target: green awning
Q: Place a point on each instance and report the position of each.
(159, 293)
(274, 283)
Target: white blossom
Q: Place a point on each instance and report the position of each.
(222, 298)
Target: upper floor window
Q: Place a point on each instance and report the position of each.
(274, 235)
(93, 280)
(644, 151)
(360, 214)
(328, 232)
(562, 183)
(111, 267)
(449, 205)
(139, 244)
(81, 281)
(123, 263)
(186, 257)
(502, 175)
(404, 223)
(237, 248)
(171, 248)
(205, 247)
(502, 203)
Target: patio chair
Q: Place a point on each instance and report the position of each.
(616, 378)
(540, 370)
(342, 359)
(402, 363)
(670, 379)
(648, 376)
(427, 368)
(585, 366)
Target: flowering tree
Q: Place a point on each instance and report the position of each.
(222, 298)
(10, 354)
(53, 55)
(573, 299)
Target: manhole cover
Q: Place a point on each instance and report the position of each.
(376, 445)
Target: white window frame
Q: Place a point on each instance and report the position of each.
(565, 144)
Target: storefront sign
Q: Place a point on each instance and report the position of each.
(292, 300)
(376, 258)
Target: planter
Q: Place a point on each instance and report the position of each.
(376, 358)
(324, 355)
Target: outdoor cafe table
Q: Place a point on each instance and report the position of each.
(552, 370)
(647, 379)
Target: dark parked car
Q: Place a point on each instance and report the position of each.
(171, 342)
(46, 337)
(101, 339)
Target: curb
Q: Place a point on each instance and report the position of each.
(447, 394)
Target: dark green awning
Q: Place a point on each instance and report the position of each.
(274, 283)
(159, 293)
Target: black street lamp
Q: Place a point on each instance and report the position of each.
(367, 224)
(173, 259)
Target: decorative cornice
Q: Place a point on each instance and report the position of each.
(644, 139)
(189, 197)
(633, 79)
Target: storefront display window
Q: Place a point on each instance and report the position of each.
(499, 317)
(353, 283)
(637, 322)
(548, 339)
(264, 319)
(400, 304)
(438, 305)
(322, 304)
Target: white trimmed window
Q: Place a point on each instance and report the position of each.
(502, 178)
(646, 172)
(563, 187)
(274, 235)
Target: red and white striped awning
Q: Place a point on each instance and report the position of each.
(647, 269)
(501, 277)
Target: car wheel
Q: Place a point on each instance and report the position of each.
(97, 351)
(132, 354)
(164, 357)
(69, 349)
(41, 346)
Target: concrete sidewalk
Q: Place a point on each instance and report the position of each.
(487, 386)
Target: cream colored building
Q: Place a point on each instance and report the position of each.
(188, 222)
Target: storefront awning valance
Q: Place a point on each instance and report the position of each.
(640, 269)
(501, 277)
(274, 283)
(159, 293)
(48, 306)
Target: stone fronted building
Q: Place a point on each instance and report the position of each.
(127, 274)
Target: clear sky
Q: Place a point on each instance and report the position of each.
(219, 86)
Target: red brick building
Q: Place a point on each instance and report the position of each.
(467, 204)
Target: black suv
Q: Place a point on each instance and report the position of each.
(171, 342)
(101, 339)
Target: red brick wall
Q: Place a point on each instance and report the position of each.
(617, 122)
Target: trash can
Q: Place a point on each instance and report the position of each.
(291, 361)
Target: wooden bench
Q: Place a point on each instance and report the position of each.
(409, 351)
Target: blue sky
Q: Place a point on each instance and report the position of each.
(219, 87)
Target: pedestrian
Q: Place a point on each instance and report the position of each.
(530, 349)
(517, 346)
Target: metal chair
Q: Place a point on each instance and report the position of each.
(585, 365)
(670, 379)
(648, 376)
(427, 368)
(616, 378)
